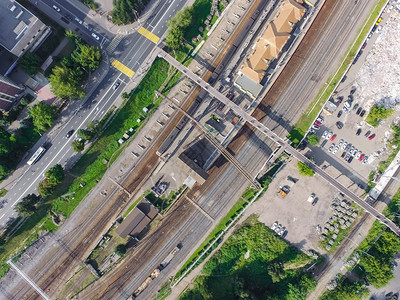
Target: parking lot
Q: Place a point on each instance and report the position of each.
(299, 217)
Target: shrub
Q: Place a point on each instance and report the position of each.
(304, 169)
(312, 139)
(378, 113)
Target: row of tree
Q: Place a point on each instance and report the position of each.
(54, 176)
(127, 11)
(177, 26)
(84, 135)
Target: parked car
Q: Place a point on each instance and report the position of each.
(278, 228)
(335, 150)
(320, 119)
(324, 134)
(347, 105)
(350, 159)
(340, 143)
(95, 36)
(365, 160)
(340, 99)
(282, 230)
(347, 157)
(315, 201)
(343, 154)
(361, 157)
(371, 136)
(339, 114)
(359, 110)
(333, 137)
(317, 123)
(348, 147)
(355, 106)
(344, 146)
(344, 78)
(56, 8)
(358, 131)
(358, 154)
(78, 20)
(364, 45)
(311, 197)
(367, 133)
(331, 148)
(324, 143)
(329, 135)
(353, 90)
(362, 113)
(284, 234)
(315, 127)
(339, 125)
(274, 225)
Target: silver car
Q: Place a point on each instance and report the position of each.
(331, 148)
(340, 143)
(274, 225)
(344, 145)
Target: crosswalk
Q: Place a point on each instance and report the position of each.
(119, 66)
(114, 43)
(152, 37)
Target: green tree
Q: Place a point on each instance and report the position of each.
(87, 56)
(346, 290)
(67, 82)
(27, 205)
(78, 146)
(122, 12)
(276, 271)
(388, 244)
(94, 126)
(6, 145)
(4, 171)
(55, 174)
(30, 63)
(73, 37)
(378, 113)
(120, 249)
(43, 116)
(85, 134)
(312, 139)
(177, 26)
(304, 169)
(45, 188)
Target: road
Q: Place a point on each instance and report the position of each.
(132, 52)
(333, 31)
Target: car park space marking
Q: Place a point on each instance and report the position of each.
(149, 35)
(121, 67)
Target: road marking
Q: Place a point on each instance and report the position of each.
(149, 35)
(119, 66)
(2, 216)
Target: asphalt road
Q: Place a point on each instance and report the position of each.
(132, 52)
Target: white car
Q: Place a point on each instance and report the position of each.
(278, 228)
(358, 154)
(344, 145)
(335, 150)
(354, 152)
(340, 143)
(56, 8)
(324, 134)
(311, 198)
(329, 135)
(282, 230)
(274, 225)
(331, 148)
(78, 20)
(365, 160)
(95, 36)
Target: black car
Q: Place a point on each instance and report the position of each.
(284, 234)
(343, 154)
(355, 106)
(359, 110)
(367, 133)
(69, 133)
(324, 143)
(340, 99)
(358, 131)
(362, 113)
(350, 159)
(339, 114)
(353, 90)
(339, 125)
(344, 78)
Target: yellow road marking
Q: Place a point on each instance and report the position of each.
(152, 37)
(121, 67)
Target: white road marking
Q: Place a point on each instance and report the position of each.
(2, 216)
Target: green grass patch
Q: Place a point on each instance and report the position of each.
(304, 122)
(273, 267)
(133, 206)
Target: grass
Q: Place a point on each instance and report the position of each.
(270, 269)
(132, 206)
(3, 192)
(304, 122)
(202, 9)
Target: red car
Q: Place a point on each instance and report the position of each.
(333, 137)
(371, 136)
(361, 157)
(317, 123)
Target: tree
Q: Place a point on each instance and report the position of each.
(66, 82)
(177, 26)
(45, 188)
(43, 115)
(31, 63)
(276, 271)
(87, 56)
(85, 134)
(94, 126)
(312, 139)
(120, 249)
(304, 169)
(4, 171)
(55, 174)
(27, 205)
(73, 37)
(388, 244)
(378, 113)
(122, 12)
(6, 145)
(78, 146)
(346, 290)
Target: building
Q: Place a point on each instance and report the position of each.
(137, 219)
(9, 92)
(20, 29)
(269, 46)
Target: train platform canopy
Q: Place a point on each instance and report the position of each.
(269, 46)
(137, 219)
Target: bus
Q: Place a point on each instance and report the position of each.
(35, 157)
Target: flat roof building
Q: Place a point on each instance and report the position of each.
(20, 29)
(269, 46)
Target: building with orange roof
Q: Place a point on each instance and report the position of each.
(269, 46)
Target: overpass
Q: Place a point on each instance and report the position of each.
(267, 132)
